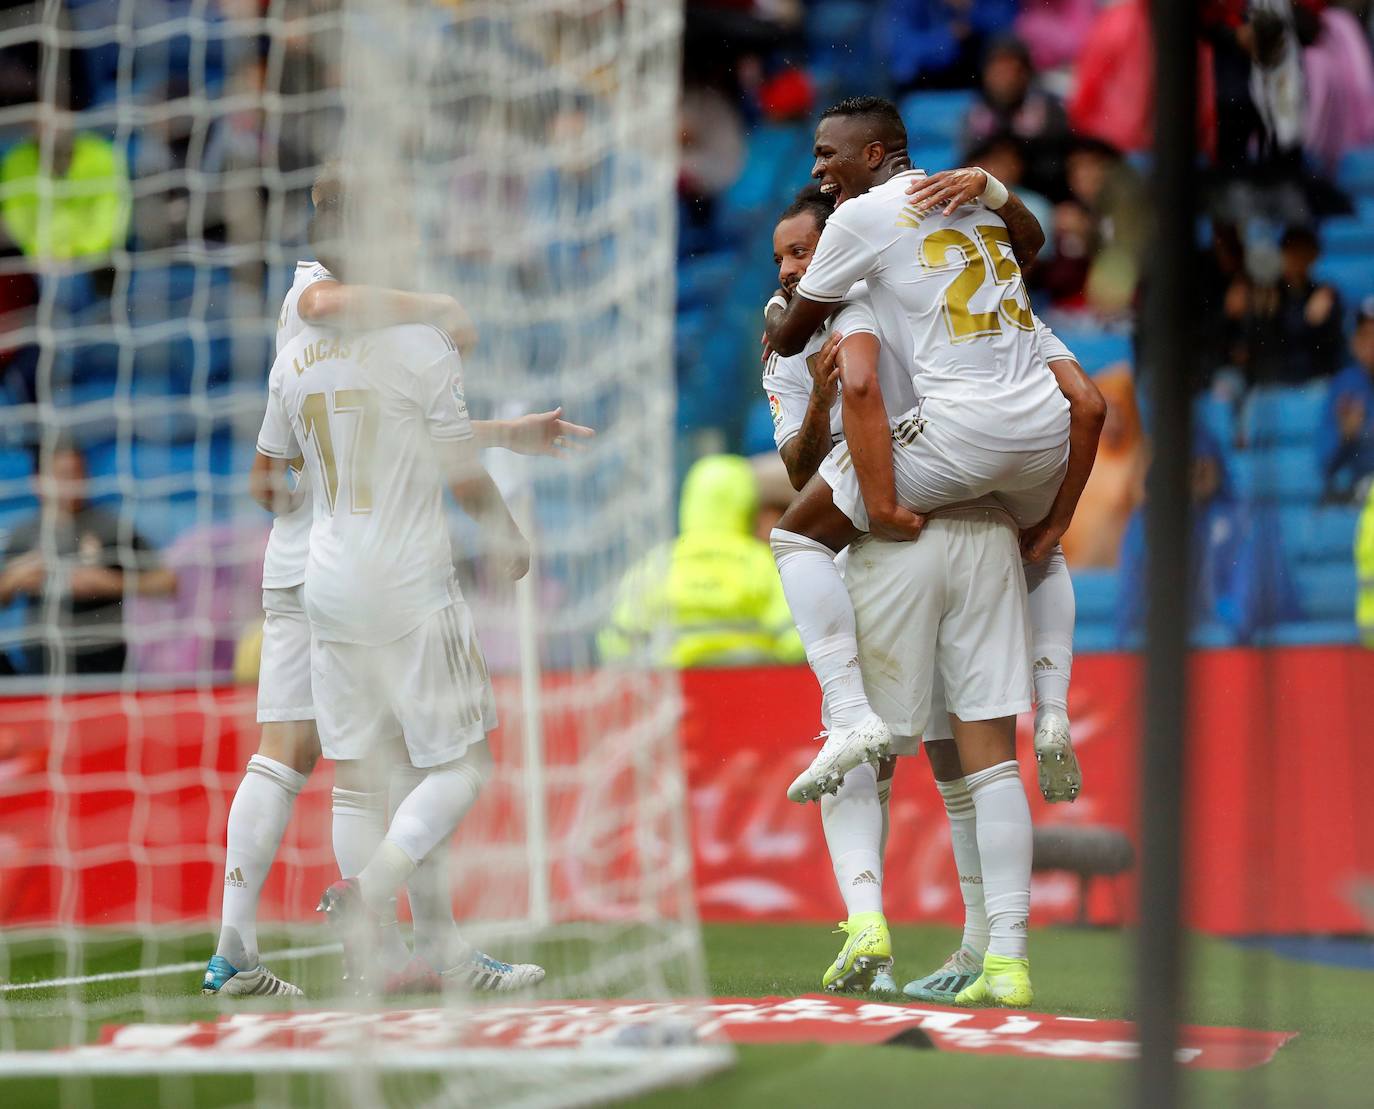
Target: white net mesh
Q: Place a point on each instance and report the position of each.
(518, 154)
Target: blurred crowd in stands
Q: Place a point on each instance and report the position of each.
(172, 224)
(1055, 98)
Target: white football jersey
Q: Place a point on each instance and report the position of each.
(366, 411)
(968, 318)
(787, 381)
(283, 566)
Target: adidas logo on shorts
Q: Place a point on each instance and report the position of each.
(235, 878)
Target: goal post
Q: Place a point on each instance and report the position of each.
(519, 155)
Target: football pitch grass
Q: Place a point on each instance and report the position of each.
(1084, 973)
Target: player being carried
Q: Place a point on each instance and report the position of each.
(803, 395)
(990, 418)
(289, 745)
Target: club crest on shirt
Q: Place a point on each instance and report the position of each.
(88, 549)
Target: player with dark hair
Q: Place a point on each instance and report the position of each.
(991, 419)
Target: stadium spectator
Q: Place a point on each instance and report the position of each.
(1240, 580)
(1293, 325)
(1346, 439)
(1011, 103)
(1113, 193)
(1113, 97)
(1063, 273)
(1116, 486)
(1054, 30)
(1223, 301)
(84, 174)
(715, 585)
(70, 566)
(1364, 572)
(939, 43)
(1340, 89)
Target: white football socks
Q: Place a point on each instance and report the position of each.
(257, 821)
(963, 839)
(1004, 849)
(824, 615)
(429, 890)
(1052, 611)
(425, 819)
(359, 824)
(852, 819)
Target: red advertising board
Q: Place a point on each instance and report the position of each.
(114, 804)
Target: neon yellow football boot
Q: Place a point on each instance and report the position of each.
(866, 952)
(1004, 984)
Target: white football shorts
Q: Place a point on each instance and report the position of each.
(284, 669)
(950, 606)
(430, 688)
(933, 468)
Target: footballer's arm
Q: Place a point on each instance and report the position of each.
(478, 496)
(268, 486)
(336, 304)
(535, 433)
(788, 326)
(868, 435)
(806, 450)
(1087, 413)
(956, 187)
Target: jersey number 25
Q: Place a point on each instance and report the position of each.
(973, 261)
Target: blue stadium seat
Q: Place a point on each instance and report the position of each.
(1287, 473)
(16, 464)
(160, 520)
(1217, 417)
(1095, 592)
(935, 116)
(1312, 631)
(1348, 235)
(1356, 172)
(776, 165)
(1326, 591)
(1334, 532)
(1353, 276)
(1212, 635)
(1283, 414)
(701, 277)
(935, 156)
(1090, 638)
(758, 428)
(1096, 350)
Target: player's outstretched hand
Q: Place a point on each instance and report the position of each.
(950, 187)
(898, 524)
(546, 433)
(1040, 540)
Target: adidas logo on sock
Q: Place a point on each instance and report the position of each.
(866, 876)
(1043, 663)
(235, 878)
(1019, 925)
(971, 879)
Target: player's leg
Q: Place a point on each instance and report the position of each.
(1049, 589)
(984, 662)
(429, 889)
(438, 688)
(853, 821)
(287, 752)
(805, 542)
(965, 964)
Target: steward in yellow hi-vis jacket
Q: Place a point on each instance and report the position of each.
(714, 590)
(1364, 572)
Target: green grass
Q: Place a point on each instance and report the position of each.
(1078, 973)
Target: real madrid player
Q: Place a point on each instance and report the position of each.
(289, 745)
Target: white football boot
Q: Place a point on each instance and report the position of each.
(868, 741)
(1060, 777)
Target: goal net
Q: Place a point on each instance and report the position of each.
(517, 154)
